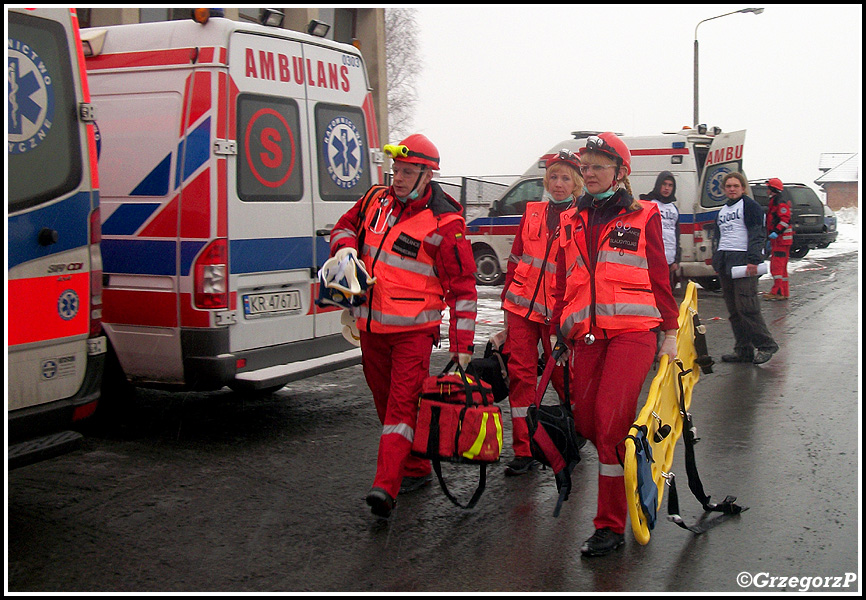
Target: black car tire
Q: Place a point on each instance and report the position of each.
(487, 269)
(798, 251)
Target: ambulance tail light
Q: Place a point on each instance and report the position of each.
(211, 281)
(95, 274)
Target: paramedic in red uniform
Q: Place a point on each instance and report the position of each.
(527, 297)
(612, 290)
(411, 238)
(781, 237)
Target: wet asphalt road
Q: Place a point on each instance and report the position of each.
(223, 493)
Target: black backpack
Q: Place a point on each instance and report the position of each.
(553, 439)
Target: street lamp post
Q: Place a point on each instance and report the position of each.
(756, 11)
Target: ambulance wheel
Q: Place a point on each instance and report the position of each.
(708, 283)
(798, 251)
(487, 269)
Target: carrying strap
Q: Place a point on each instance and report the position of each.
(727, 506)
(703, 360)
(469, 387)
(561, 471)
(433, 450)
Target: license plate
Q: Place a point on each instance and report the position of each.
(272, 304)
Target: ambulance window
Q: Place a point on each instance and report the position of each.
(341, 143)
(269, 149)
(514, 203)
(43, 135)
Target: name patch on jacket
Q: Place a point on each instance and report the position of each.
(406, 245)
(625, 239)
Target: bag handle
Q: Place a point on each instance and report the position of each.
(433, 450)
(469, 388)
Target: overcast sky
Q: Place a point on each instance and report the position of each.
(501, 85)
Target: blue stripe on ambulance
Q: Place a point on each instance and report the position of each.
(62, 216)
(197, 151)
(128, 218)
(270, 254)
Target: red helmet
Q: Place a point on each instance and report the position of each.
(775, 183)
(565, 155)
(608, 143)
(415, 149)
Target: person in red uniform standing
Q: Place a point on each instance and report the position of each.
(612, 290)
(411, 238)
(781, 237)
(527, 297)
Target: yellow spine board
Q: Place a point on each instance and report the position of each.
(663, 400)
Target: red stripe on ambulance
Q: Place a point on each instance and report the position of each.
(48, 308)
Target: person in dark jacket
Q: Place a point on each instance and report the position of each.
(741, 239)
(664, 195)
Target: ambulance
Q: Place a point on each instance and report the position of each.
(228, 150)
(55, 346)
(698, 158)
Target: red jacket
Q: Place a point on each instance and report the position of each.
(779, 221)
(531, 274)
(656, 264)
(445, 245)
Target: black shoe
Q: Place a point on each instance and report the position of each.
(737, 358)
(603, 541)
(410, 484)
(520, 465)
(381, 503)
(762, 356)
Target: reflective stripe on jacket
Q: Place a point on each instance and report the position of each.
(408, 293)
(779, 221)
(530, 292)
(611, 290)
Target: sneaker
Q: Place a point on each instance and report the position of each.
(381, 503)
(603, 541)
(737, 357)
(410, 484)
(762, 356)
(520, 465)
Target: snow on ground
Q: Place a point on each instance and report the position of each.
(848, 226)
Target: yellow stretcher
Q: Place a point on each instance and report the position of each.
(662, 410)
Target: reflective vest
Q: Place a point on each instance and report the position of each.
(610, 291)
(530, 293)
(779, 221)
(407, 293)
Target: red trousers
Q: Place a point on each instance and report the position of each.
(395, 365)
(608, 376)
(521, 346)
(779, 267)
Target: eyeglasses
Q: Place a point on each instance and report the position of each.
(398, 169)
(594, 169)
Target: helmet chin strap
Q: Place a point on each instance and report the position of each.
(414, 193)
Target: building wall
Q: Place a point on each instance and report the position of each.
(369, 29)
(841, 195)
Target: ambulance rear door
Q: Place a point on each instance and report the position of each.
(724, 156)
(342, 142)
(270, 213)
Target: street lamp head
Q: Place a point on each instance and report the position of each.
(757, 11)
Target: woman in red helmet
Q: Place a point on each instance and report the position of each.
(411, 237)
(612, 290)
(527, 297)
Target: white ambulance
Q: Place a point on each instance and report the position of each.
(55, 347)
(228, 151)
(698, 160)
